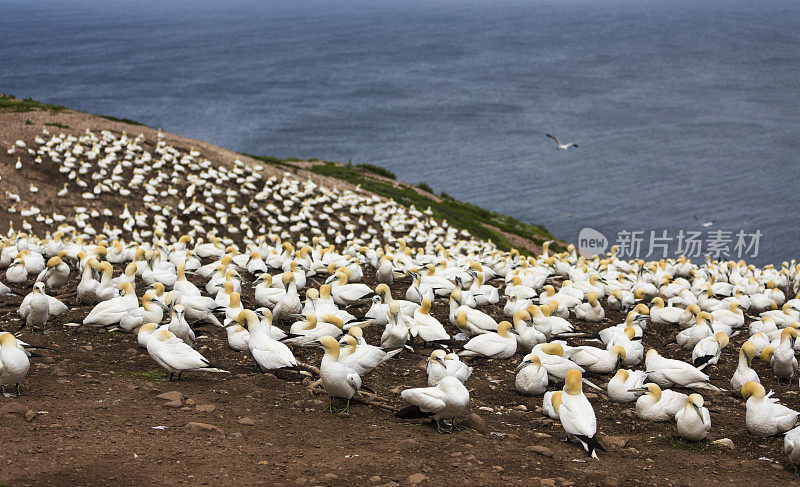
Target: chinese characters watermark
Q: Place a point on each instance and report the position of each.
(659, 244)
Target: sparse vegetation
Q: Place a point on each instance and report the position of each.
(157, 375)
(8, 102)
(380, 171)
(425, 187)
(124, 120)
(56, 124)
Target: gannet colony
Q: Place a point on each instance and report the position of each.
(278, 265)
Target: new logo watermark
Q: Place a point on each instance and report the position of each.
(659, 244)
(591, 243)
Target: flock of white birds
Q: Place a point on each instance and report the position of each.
(232, 228)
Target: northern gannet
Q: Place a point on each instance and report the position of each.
(658, 405)
(561, 146)
(708, 350)
(442, 402)
(791, 446)
(765, 415)
(743, 372)
(624, 386)
(531, 377)
(693, 420)
(669, 372)
(500, 345)
(425, 326)
(598, 360)
(14, 362)
(269, 353)
(576, 414)
(175, 356)
(338, 380)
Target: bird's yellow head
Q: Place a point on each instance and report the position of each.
(553, 349)
(573, 384)
(753, 389)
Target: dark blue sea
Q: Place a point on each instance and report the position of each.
(680, 108)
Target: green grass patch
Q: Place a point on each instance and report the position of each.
(425, 187)
(156, 375)
(380, 171)
(679, 444)
(123, 120)
(8, 102)
(458, 214)
(56, 124)
(28, 122)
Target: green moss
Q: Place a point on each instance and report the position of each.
(156, 375)
(680, 444)
(56, 124)
(124, 120)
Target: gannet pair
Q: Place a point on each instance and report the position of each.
(442, 364)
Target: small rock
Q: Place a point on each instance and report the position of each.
(417, 478)
(475, 422)
(59, 372)
(175, 399)
(498, 468)
(541, 450)
(330, 476)
(131, 351)
(542, 435)
(246, 421)
(375, 478)
(132, 387)
(205, 408)
(725, 443)
(194, 426)
(29, 415)
(612, 481)
(92, 381)
(590, 395)
(300, 480)
(522, 407)
(547, 482)
(616, 441)
(390, 483)
(190, 402)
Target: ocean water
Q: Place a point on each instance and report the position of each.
(680, 108)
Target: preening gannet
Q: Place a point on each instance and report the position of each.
(175, 356)
(444, 401)
(765, 415)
